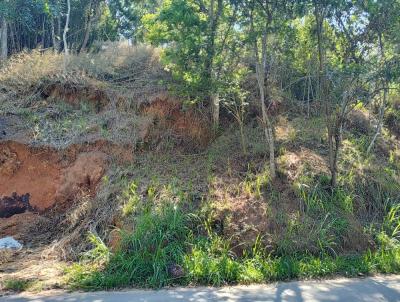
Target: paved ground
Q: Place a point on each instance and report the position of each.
(369, 290)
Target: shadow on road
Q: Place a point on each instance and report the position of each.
(366, 290)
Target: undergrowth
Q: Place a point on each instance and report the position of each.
(175, 240)
(171, 247)
(210, 261)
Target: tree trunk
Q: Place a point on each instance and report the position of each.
(381, 117)
(88, 28)
(335, 141)
(59, 27)
(209, 64)
(66, 51)
(260, 72)
(382, 108)
(17, 38)
(44, 32)
(332, 127)
(4, 39)
(267, 125)
(242, 138)
(56, 43)
(12, 38)
(215, 109)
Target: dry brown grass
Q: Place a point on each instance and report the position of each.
(168, 118)
(69, 230)
(111, 83)
(118, 71)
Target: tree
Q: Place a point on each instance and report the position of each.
(5, 9)
(196, 34)
(40, 23)
(129, 16)
(4, 39)
(342, 81)
(260, 56)
(263, 20)
(334, 111)
(66, 28)
(383, 17)
(214, 15)
(93, 15)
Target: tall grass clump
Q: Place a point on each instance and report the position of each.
(151, 256)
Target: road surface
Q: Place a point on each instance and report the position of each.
(376, 289)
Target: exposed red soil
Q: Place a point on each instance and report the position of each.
(26, 170)
(49, 176)
(74, 94)
(52, 179)
(84, 174)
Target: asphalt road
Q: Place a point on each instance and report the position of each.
(374, 289)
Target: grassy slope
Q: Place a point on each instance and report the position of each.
(216, 218)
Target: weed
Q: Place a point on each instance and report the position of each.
(391, 223)
(255, 184)
(146, 255)
(131, 199)
(211, 262)
(17, 285)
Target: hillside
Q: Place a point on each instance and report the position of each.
(109, 170)
(197, 142)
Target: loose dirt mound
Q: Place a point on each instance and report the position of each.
(83, 175)
(19, 225)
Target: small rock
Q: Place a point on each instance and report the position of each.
(175, 271)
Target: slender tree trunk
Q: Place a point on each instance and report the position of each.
(383, 105)
(66, 51)
(56, 43)
(94, 16)
(4, 39)
(260, 72)
(12, 36)
(44, 32)
(242, 137)
(335, 141)
(214, 16)
(87, 35)
(215, 101)
(17, 38)
(267, 125)
(88, 27)
(308, 96)
(333, 137)
(59, 27)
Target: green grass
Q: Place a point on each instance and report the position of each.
(157, 243)
(209, 263)
(163, 238)
(17, 285)
(314, 241)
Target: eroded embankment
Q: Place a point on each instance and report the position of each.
(35, 180)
